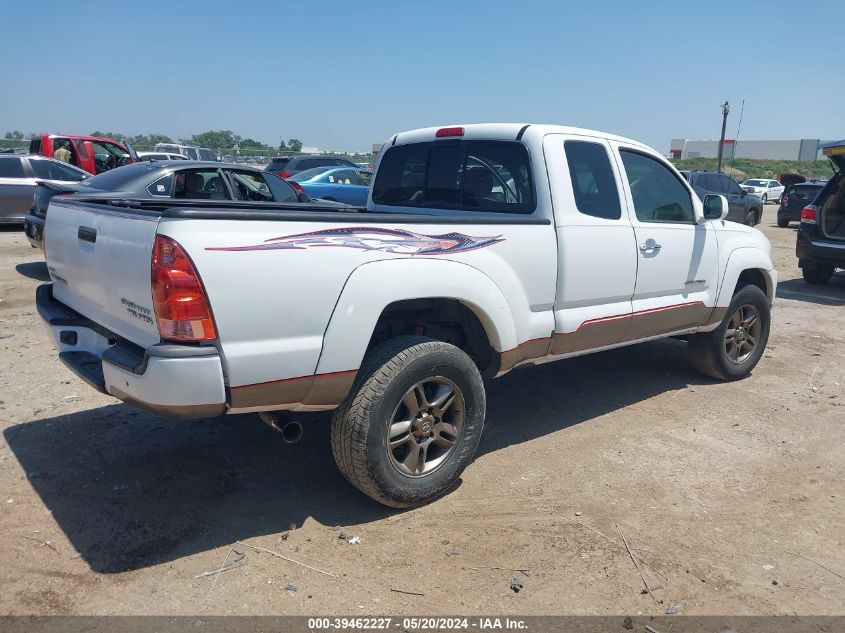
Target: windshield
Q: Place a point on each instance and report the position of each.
(756, 183)
(308, 174)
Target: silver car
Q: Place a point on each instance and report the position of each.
(18, 178)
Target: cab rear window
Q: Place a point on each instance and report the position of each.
(456, 174)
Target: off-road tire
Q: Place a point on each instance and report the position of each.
(360, 426)
(707, 350)
(818, 275)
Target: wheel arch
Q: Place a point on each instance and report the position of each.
(379, 292)
(747, 266)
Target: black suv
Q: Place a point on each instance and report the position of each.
(820, 246)
(743, 207)
(287, 166)
(794, 199)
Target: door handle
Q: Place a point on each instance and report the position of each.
(649, 246)
(87, 234)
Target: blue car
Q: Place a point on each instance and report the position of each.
(340, 184)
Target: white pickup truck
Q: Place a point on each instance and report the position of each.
(482, 248)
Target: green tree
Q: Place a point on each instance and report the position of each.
(294, 145)
(282, 146)
(214, 139)
(14, 136)
(252, 144)
(148, 140)
(115, 135)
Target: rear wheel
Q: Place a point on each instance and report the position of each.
(412, 422)
(733, 349)
(817, 275)
(783, 222)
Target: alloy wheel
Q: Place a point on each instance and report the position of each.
(742, 334)
(425, 426)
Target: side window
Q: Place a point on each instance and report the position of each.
(772, 183)
(250, 186)
(343, 177)
(659, 195)
(11, 168)
(365, 177)
(714, 183)
(162, 187)
(307, 163)
(201, 184)
(731, 186)
(592, 180)
(54, 170)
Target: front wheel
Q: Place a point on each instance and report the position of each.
(765, 198)
(750, 218)
(818, 275)
(411, 423)
(733, 349)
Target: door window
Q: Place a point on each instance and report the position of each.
(592, 178)
(200, 184)
(733, 189)
(11, 168)
(344, 177)
(658, 194)
(250, 186)
(53, 170)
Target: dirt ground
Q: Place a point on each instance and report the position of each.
(729, 495)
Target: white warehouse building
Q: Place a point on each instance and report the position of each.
(799, 149)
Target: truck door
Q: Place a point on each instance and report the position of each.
(677, 259)
(597, 257)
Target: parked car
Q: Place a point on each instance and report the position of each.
(820, 244)
(744, 208)
(94, 154)
(287, 166)
(469, 261)
(764, 188)
(191, 151)
(160, 156)
(180, 179)
(795, 199)
(341, 184)
(19, 175)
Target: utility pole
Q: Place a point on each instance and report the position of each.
(726, 107)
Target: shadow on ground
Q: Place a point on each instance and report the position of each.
(131, 489)
(831, 294)
(34, 270)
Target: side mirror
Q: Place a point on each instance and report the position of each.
(715, 207)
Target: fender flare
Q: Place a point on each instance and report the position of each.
(373, 286)
(741, 259)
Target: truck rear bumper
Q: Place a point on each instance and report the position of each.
(173, 380)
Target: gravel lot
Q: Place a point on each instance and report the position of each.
(730, 494)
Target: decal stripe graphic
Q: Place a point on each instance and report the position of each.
(397, 241)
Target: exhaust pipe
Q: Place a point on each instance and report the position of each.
(290, 430)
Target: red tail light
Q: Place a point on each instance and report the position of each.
(296, 186)
(808, 214)
(181, 306)
(449, 131)
(283, 174)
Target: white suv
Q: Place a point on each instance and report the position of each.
(767, 190)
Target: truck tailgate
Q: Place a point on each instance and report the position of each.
(99, 260)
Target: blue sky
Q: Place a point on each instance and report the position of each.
(344, 75)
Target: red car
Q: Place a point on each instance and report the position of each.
(94, 154)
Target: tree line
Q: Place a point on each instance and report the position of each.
(212, 139)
